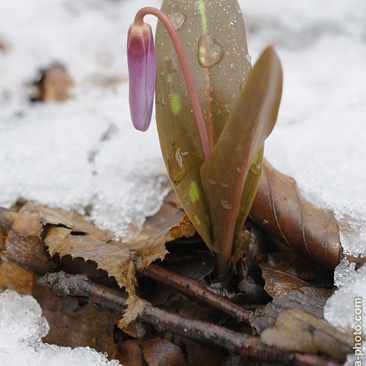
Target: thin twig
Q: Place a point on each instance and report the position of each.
(197, 290)
(81, 286)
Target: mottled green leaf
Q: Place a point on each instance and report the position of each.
(224, 172)
(214, 39)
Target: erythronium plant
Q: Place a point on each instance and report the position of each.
(213, 113)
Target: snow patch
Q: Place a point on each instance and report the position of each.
(21, 330)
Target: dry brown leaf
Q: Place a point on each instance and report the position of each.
(296, 330)
(290, 292)
(130, 354)
(74, 324)
(160, 352)
(24, 245)
(305, 228)
(13, 277)
(69, 235)
(54, 85)
(7, 218)
(292, 264)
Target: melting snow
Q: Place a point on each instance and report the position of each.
(21, 330)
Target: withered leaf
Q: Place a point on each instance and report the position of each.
(119, 260)
(200, 355)
(69, 235)
(160, 352)
(76, 325)
(224, 172)
(53, 85)
(7, 218)
(130, 353)
(280, 210)
(290, 292)
(291, 263)
(296, 330)
(14, 277)
(24, 245)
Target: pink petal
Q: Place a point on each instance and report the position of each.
(142, 71)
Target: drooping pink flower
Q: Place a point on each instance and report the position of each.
(142, 74)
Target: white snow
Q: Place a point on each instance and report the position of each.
(22, 328)
(84, 153)
(320, 135)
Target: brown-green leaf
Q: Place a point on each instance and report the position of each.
(218, 58)
(225, 171)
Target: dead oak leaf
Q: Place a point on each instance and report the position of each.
(296, 330)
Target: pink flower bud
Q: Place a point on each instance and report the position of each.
(142, 71)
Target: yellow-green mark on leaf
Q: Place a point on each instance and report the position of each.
(203, 16)
(194, 193)
(175, 104)
(255, 160)
(208, 220)
(198, 222)
(238, 148)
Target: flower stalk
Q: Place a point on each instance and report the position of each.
(136, 84)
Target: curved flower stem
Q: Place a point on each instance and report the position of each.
(192, 91)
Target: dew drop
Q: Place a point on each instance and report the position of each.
(223, 184)
(211, 181)
(227, 205)
(171, 63)
(210, 52)
(232, 95)
(178, 157)
(177, 19)
(240, 169)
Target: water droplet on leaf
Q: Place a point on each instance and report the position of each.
(209, 52)
(177, 19)
(227, 205)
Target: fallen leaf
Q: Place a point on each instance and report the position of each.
(308, 230)
(7, 218)
(67, 235)
(160, 352)
(200, 355)
(130, 353)
(288, 292)
(13, 277)
(296, 330)
(74, 323)
(24, 245)
(54, 85)
(291, 263)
